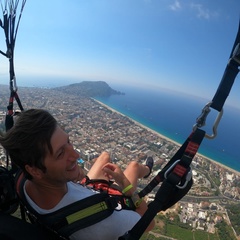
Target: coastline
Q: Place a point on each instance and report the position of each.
(138, 123)
(169, 139)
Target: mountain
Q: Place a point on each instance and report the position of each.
(89, 89)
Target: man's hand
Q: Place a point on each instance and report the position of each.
(113, 171)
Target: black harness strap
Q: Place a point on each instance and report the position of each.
(9, 117)
(176, 182)
(160, 176)
(229, 75)
(10, 30)
(8, 196)
(80, 214)
(104, 186)
(13, 228)
(175, 177)
(72, 217)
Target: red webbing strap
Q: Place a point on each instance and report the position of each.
(188, 148)
(14, 95)
(10, 28)
(100, 185)
(104, 186)
(175, 185)
(179, 170)
(9, 117)
(160, 176)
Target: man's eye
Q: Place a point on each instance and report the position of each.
(60, 154)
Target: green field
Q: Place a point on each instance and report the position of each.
(174, 231)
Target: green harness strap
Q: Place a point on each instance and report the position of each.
(96, 208)
(75, 216)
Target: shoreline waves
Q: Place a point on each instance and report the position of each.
(167, 138)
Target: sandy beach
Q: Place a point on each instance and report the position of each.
(138, 123)
(168, 139)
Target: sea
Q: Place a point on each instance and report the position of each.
(174, 114)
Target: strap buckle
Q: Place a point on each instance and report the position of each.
(180, 185)
(136, 200)
(201, 121)
(13, 84)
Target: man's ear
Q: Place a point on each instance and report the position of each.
(34, 172)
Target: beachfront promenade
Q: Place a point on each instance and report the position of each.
(94, 127)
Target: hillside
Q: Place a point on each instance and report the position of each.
(89, 89)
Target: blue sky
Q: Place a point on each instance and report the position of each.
(182, 45)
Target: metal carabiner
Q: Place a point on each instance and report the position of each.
(13, 84)
(201, 120)
(187, 178)
(215, 126)
(170, 168)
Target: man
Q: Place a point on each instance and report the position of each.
(39, 146)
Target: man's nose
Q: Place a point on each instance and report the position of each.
(73, 152)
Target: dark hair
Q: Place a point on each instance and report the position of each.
(28, 141)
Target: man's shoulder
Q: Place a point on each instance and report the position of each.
(77, 191)
(78, 187)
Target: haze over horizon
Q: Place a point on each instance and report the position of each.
(174, 44)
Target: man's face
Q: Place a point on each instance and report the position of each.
(62, 164)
